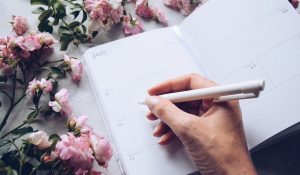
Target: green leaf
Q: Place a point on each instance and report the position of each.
(75, 13)
(74, 24)
(56, 21)
(3, 79)
(22, 131)
(84, 28)
(38, 10)
(54, 138)
(39, 2)
(4, 146)
(65, 40)
(45, 27)
(52, 2)
(84, 17)
(45, 15)
(58, 71)
(60, 10)
(95, 33)
(11, 159)
(5, 170)
(32, 115)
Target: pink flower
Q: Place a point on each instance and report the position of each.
(20, 25)
(142, 9)
(102, 150)
(186, 7)
(75, 150)
(132, 26)
(45, 85)
(33, 86)
(295, 3)
(39, 139)
(46, 39)
(28, 43)
(5, 69)
(159, 16)
(75, 66)
(175, 4)
(117, 14)
(61, 103)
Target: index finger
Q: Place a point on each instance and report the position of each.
(182, 83)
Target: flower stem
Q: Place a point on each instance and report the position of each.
(21, 125)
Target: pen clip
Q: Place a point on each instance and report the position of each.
(237, 97)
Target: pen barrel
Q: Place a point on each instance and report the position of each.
(253, 86)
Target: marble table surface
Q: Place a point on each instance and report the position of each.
(280, 158)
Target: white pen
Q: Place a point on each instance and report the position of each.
(243, 90)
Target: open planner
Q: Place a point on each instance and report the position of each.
(225, 40)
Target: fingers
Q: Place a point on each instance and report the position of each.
(186, 82)
(167, 112)
(167, 138)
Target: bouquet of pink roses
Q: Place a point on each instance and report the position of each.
(24, 150)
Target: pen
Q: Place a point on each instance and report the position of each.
(243, 90)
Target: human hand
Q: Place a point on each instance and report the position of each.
(212, 133)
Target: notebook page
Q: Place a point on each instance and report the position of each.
(240, 40)
(121, 73)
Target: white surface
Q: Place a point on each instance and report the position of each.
(81, 98)
(224, 54)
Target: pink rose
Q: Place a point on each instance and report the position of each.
(5, 69)
(33, 86)
(132, 26)
(295, 3)
(81, 123)
(159, 16)
(20, 25)
(75, 150)
(61, 103)
(39, 139)
(46, 39)
(174, 4)
(45, 85)
(28, 43)
(142, 9)
(76, 67)
(117, 14)
(102, 150)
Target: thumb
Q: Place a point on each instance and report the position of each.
(167, 112)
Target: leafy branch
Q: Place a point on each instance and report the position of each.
(54, 13)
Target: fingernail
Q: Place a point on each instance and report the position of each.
(161, 140)
(155, 130)
(151, 101)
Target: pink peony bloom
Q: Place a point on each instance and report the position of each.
(76, 67)
(5, 69)
(45, 85)
(132, 26)
(104, 10)
(295, 3)
(174, 4)
(61, 103)
(185, 6)
(28, 43)
(20, 25)
(46, 39)
(75, 150)
(33, 86)
(102, 150)
(81, 123)
(39, 139)
(159, 16)
(142, 9)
